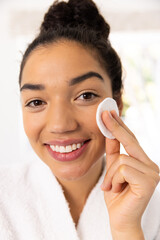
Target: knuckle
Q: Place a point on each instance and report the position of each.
(157, 179)
(131, 141)
(122, 168)
(154, 166)
(122, 159)
(157, 169)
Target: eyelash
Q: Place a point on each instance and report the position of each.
(91, 93)
(40, 102)
(33, 102)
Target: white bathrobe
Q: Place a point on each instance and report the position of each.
(33, 207)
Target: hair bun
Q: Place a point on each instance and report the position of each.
(75, 13)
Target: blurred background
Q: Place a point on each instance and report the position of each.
(135, 34)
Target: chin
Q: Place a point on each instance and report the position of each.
(72, 175)
(76, 172)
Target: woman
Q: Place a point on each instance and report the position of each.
(65, 73)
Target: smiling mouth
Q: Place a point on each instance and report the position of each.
(68, 148)
(68, 152)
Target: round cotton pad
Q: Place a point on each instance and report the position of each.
(107, 104)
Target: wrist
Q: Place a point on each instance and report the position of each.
(130, 234)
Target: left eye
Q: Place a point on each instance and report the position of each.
(87, 96)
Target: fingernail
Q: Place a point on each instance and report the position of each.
(106, 186)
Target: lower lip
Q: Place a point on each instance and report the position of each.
(65, 157)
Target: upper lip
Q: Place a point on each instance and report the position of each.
(66, 142)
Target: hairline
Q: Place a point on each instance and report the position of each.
(89, 47)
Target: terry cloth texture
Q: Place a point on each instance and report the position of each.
(33, 206)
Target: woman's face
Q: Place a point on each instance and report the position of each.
(62, 86)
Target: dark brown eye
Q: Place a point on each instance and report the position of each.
(35, 103)
(87, 96)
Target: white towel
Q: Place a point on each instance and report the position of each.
(33, 206)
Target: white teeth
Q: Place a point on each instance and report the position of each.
(79, 145)
(62, 149)
(57, 148)
(74, 147)
(66, 149)
(52, 147)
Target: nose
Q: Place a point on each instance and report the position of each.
(61, 118)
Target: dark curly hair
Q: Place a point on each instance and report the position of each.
(81, 21)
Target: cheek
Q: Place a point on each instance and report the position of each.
(97, 147)
(89, 123)
(32, 126)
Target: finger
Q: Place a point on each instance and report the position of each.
(112, 151)
(136, 180)
(119, 120)
(150, 169)
(117, 182)
(129, 142)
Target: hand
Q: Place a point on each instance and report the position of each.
(130, 179)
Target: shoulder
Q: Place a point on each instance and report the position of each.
(10, 174)
(14, 186)
(20, 177)
(22, 184)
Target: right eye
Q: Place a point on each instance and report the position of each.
(35, 103)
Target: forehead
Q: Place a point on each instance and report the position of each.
(61, 61)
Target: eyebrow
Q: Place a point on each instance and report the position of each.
(74, 81)
(32, 87)
(84, 77)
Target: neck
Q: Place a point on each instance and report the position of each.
(76, 192)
